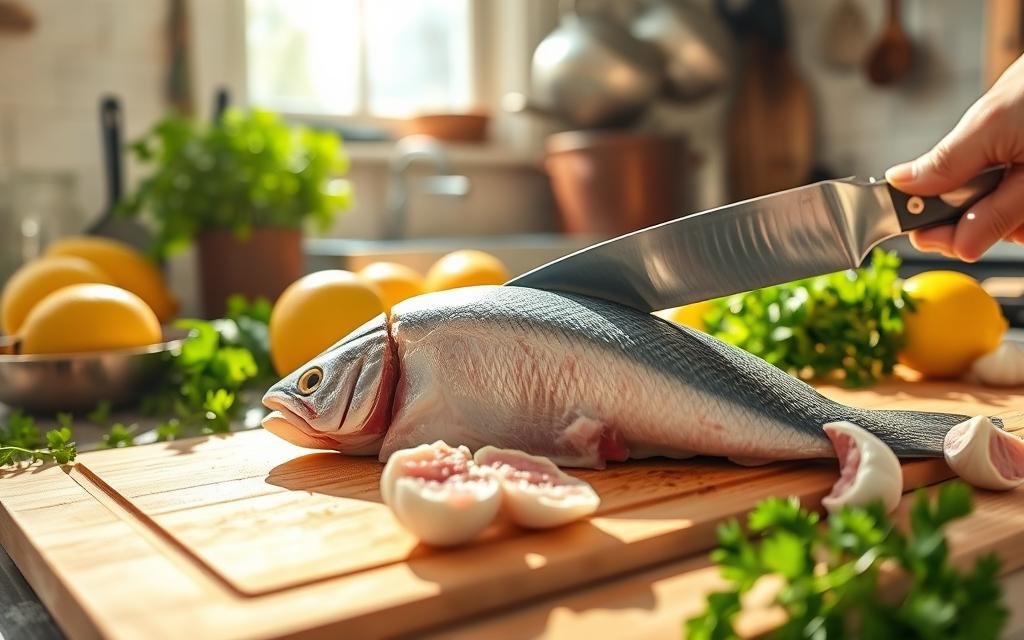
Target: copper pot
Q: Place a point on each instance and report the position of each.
(262, 264)
(610, 183)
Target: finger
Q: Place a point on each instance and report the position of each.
(936, 239)
(1018, 235)
(958, 157)
(993, 218)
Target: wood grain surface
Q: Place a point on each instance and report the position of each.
(248, 536)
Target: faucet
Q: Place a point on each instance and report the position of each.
(444, 183)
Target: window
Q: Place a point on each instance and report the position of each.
(381, 58)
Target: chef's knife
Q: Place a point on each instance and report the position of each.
(820, 228)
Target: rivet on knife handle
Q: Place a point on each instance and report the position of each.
(921, 212)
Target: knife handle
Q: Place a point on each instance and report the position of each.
(921, 212)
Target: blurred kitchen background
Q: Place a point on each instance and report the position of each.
(550, 124)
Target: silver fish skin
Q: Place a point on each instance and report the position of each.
(579, 380)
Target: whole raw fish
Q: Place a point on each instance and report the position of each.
(576, 379)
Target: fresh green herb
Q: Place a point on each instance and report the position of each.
(248, 170)
(845, 325)
(21, 440)
(120, 435)
(101, 414)
(251, 320)
(842, 598)
(170, 430)
(204, 381)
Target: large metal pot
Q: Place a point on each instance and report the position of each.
(591, 72)
(694, 42)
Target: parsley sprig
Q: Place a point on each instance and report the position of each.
(845, 325)
(21, 440)
(831, 575)
(218, 361)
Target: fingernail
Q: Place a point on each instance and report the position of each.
(904, 173)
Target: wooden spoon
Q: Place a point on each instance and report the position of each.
(891, 59)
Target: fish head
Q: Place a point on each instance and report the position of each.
(340, 399)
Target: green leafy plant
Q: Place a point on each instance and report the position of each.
(846, 326)
(251, 320)
(120, 435)
(100, 414)
(248, 170)
(205, 378)
(831, 576)
(20, 440)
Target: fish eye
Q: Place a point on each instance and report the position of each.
(310, 380)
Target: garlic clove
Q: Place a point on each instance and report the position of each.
(868, 469)
(984, 455)
(537, 494)
(438, 458)
(439, 494)
(449, 513)
(1001, 367)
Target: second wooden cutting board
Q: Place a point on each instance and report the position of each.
(247, 536)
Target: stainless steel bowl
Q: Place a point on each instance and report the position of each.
(78, 381)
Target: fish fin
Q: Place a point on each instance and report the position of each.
(588, 442)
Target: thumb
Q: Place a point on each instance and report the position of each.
(949, 164)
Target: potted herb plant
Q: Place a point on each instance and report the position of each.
(242, 188)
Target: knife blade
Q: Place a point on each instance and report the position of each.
(808, 231)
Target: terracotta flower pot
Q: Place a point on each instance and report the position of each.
(615, 182)
(262, 264)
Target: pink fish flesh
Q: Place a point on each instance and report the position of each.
(578, 380)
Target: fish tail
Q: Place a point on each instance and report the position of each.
(909, 433)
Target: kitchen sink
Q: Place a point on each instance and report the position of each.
(520, 253)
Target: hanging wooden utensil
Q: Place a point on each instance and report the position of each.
(844, 39)
(893, 56)
(770, 126)
(15, 18)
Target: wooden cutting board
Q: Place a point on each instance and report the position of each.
(248, 536)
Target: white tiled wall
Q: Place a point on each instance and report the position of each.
(864, 129)
(51, 81)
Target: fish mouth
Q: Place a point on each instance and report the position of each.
(286, 424)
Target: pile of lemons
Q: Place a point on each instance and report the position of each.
(86, 294)
(319, 309)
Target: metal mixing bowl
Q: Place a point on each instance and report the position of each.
(78, 381)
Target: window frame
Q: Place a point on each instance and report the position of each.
(502, 38)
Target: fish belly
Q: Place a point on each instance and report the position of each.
(583, 381)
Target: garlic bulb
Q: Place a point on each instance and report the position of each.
(868, 469)
(1001, 367)
(984, 455)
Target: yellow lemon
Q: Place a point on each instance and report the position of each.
(89, 317)
(466, 268)
(38, 279)
(954, 322)
(316, 311)
(692, 315)
(130, 269)
(395, 282)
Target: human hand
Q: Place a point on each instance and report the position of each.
(990, 133)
